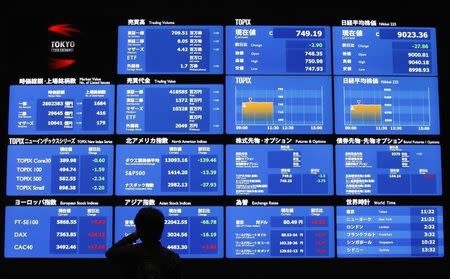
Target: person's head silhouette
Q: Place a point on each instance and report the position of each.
(149, 224)
(148, 259)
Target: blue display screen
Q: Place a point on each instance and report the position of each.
(57, 232)
(388, 170)
(61, 109)
(169, 170)
(390, 231)
(170, 50)
(279, 170)
(280, 232)
(302, 50)
(386, 105)
(384, 51)
(278, 105)
(53, 170)
(170, 109)
(190, 231)
(254, 141)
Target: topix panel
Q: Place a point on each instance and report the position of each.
(61, 109)
(278, 105)
(289, 50)
(170, 50)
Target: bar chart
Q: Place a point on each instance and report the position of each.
(270, 103)
(400, 105)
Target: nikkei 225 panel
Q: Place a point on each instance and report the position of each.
(390, 51)
(170, 50)
(170, 109)
(279, 170)
(61, 109)
(60, 170)
(278, 105)
(386, 105)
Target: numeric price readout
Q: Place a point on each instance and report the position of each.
(285, 170)
(169, 170)
(61, 109)
(170, 50)
(60, 170)
(57, 232)
(190, 231)
(280, 232)
(402, 51)
(170, 109)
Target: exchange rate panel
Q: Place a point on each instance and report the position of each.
(280, 232)
(278, 105)
(407, 170)
(57, 232)
(386, 105)
(170, 50)
(390, 231)
(190, 231)
(170, 109)
(60, 170)
(173, 170)
(406, 51)
(280, 50)
(61, 109)
(284, 170)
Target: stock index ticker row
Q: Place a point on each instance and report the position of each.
(276, 81)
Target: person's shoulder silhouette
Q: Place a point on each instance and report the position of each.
(148, 259)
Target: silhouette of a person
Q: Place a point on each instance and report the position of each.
(148, 259)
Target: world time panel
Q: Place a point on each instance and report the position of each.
(61, 109)
(57, 232)
(390, 231)
(54, 170)
(296, 169)
(170, 109)
(170, 50)
(385, 51)
(190, 231)
(280, 50)
(386, 105)
(280, 232)
(278, 105)
(169, 170)
(388, 170)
